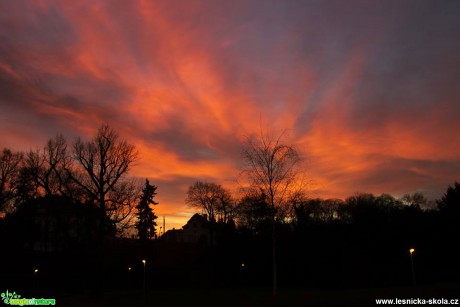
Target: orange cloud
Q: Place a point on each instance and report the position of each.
(364, 93)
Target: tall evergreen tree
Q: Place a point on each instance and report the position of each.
(146, 223)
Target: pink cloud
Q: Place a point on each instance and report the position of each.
(371, 104)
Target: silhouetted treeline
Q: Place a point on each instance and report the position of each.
(65, 204)
(363, 241)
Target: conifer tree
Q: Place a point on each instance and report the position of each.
(146, 223)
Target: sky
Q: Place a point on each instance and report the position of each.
(367, 90)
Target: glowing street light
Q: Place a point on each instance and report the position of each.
(411, 252)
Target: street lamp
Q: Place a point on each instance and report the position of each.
(129, 277)
(35, 278)
(143, 261)
(411, 252)
(242, 273)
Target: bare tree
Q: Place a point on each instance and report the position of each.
(317, 210)
(272, 167)
(9, 175)
(226, 208)
(102, 166)
(254, 212)
(122, 201)
(47, 168)
(212, 198)
(418, 199)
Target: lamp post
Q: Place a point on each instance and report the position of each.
(143, 261)
(242, 274)
(129, 277)
(411, 252)
(35, 278)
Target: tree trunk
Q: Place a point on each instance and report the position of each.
(274, 254)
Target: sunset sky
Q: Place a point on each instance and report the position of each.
(368, 90)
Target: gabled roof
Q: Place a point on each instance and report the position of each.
(197, 220)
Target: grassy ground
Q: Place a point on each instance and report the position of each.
(260, 297)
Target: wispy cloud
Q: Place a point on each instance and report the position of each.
(369, 90)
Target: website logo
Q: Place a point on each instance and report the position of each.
(12, 298)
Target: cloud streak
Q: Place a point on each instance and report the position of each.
(369, 91)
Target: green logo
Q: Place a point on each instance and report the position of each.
(15, 299)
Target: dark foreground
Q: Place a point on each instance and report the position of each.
(262, 297)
